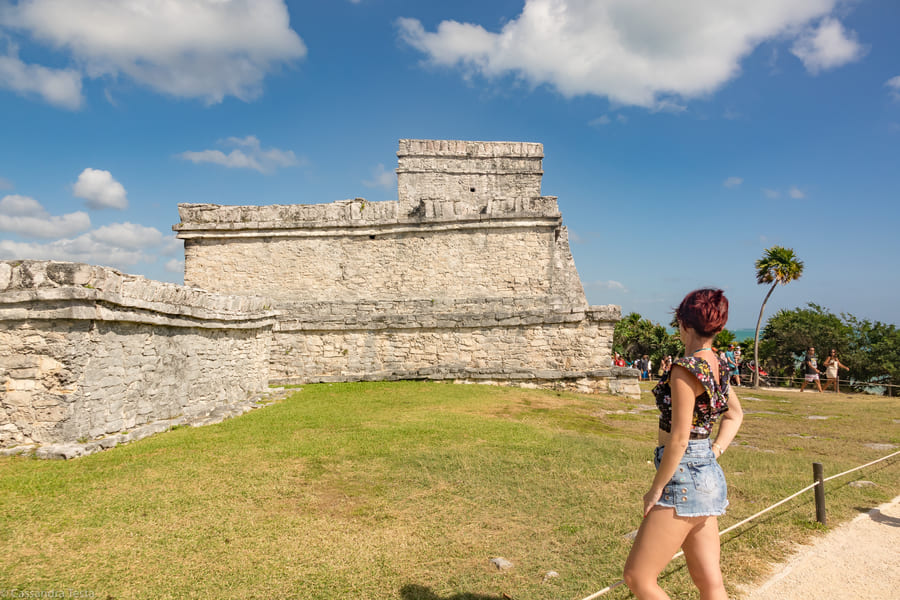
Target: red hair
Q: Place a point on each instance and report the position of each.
(705, 311)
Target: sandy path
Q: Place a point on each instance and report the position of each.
(857, 560)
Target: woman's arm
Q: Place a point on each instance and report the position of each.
(681, 383)
(729, 424)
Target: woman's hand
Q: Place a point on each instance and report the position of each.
(650, 499)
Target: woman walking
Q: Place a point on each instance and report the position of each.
(688, 492)
(831, 369)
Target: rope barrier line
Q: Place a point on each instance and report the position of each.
(846, 382)
(862, 466)
(613, 586)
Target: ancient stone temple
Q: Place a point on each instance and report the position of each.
(468, 276)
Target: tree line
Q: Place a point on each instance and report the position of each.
(870, 349)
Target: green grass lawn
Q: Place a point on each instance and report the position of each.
(407, 490)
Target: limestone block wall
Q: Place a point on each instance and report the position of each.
(471, 172)
(353, 250)
(468, 275)
(87, 351)
(512, 340)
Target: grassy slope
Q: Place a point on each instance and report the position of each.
(405, 490)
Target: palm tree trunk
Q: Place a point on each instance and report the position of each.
(756, 337)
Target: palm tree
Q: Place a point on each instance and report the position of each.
(778, 265)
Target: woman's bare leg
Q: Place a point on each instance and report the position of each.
(701, 552)
(658, 540)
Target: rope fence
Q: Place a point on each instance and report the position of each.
(613, 586)
(892, 389)
(852, 385)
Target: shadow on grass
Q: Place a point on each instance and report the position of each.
(420, 592)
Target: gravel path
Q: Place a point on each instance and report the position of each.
(858, 560)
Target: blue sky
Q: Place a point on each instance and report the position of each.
(682, 138)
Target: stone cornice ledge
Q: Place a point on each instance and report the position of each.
(55, 290)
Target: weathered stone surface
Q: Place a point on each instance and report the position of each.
(79, 363)
(468, 275)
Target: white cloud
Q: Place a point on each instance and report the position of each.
(382, 178)
(771, 194)
(100, 190)
(172, 246)
(733, 182)
(25, 216)
(634, 53)
(253, 156)
(826, 47)
(894, 84)
(796, 193)
(21, 206)
(600, 121)
(175, 266)
(81, 249)
(204, 49)
(60, 87)
(127, 235)
(107, 245)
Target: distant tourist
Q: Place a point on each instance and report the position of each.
(811, 370)
(832, 364)
(645, 365)
(688, 492)
(731, 358)
(664, 365)
(618, 360)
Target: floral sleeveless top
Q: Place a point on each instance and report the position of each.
(707, 406)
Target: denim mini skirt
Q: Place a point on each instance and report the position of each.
(698, 487)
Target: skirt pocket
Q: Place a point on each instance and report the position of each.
(705, 476)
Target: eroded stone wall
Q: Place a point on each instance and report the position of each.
(87, 351)
(365, 251)
(543, 350)
(468, 275)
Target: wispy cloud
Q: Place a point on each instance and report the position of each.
(893, 85)
(120, 245)
(60, 87)
(381, 178)
(796, 193)
(771, 194)
(26, 216)
(6, 184)
(608, 285)
(249, 154)
(174, 266)
(733, 182)
(827, 46)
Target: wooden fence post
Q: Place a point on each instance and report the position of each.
(819, 476)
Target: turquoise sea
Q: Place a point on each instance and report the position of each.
(739, 334)
(744, 334)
